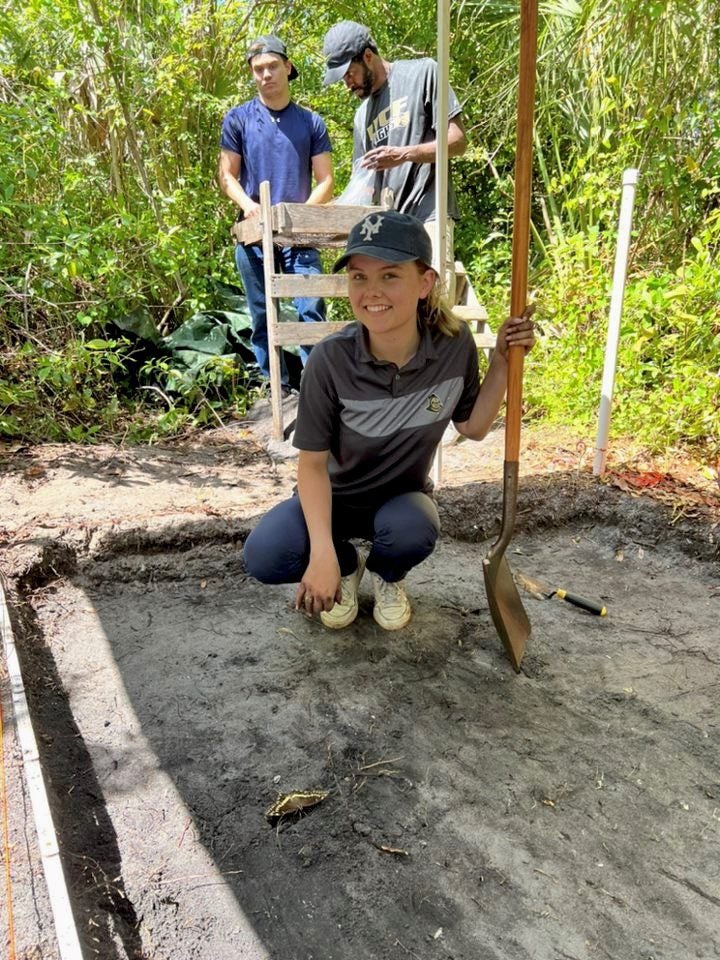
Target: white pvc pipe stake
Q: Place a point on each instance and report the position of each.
(67, 936)
(630, 178)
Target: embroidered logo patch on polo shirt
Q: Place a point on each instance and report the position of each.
(433, 403)
(370, 228)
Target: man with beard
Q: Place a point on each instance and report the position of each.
(395, 126)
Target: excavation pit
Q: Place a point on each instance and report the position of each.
(572, 810)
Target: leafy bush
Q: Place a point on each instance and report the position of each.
(63, 395)
(667, 383)
(109, 125)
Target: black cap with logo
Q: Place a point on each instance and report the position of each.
(390, 236)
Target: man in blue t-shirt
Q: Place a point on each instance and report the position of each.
(272, 138)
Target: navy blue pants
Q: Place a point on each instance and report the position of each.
(403, 532)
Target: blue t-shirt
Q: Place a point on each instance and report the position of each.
(275, 145)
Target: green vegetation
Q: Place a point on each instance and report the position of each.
(115, 239)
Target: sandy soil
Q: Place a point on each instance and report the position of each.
(570, 811)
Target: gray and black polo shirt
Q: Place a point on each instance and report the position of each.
(382, 424)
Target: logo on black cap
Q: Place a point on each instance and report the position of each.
(368, 228)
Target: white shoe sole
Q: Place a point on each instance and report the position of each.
(394, 625)
(349, 618)
(351, 615)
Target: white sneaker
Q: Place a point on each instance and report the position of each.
(392, 608)
(345, 612)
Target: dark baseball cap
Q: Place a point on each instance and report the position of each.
(270, 44)
(390, 236)
(343, 42)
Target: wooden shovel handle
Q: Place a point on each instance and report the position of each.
(521, 218)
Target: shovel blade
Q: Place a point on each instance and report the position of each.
(508, 613)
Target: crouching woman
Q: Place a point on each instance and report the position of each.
(375, 399)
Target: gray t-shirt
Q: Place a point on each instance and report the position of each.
(400, 114)
(382, 424)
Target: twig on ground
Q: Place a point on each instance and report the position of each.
(399, 943)
(195, 876)
(384, 848)
(359, 786)
(378, 763)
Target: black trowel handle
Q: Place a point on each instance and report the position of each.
(590, 605)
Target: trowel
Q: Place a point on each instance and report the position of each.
(543, 591)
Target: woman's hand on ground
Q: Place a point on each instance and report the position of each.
(319, 588)
(516, 332)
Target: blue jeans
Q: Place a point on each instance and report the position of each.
(403, 532)
(249, 261)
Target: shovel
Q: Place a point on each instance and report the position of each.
(508, 613)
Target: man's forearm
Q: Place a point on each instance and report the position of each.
(426, 152)
(385, 158)
(230, 186)
(322, 192)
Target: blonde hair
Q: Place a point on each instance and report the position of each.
(434, 311)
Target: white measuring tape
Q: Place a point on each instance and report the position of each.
(65, 930)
